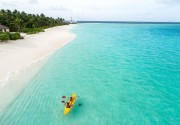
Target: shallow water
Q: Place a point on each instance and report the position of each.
(124, 74)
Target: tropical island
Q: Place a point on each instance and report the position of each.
(16, 22)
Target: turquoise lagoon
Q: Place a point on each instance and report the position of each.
(125, 74)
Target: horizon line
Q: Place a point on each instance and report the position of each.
(165, 22)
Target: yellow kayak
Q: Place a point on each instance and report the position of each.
(68, 108)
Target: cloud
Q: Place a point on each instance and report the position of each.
(58, 8)
(169, 1)
(33, 1)
(89, 7)
(9, 4)
(136, 10)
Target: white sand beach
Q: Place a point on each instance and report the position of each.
(19, 55)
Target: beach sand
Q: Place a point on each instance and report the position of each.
(17, 57)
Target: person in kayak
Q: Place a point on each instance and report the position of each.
(68, 105)
(71, 99)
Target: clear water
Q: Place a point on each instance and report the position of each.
(125, 74)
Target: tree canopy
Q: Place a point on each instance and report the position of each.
(20, 21)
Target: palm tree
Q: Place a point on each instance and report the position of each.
(17, 20)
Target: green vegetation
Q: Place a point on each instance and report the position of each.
(4, 36)
(15, 36)
(29, 23)
(33, 30)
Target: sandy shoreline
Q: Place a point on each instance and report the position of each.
(18, 55)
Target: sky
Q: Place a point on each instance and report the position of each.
(100, 10)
